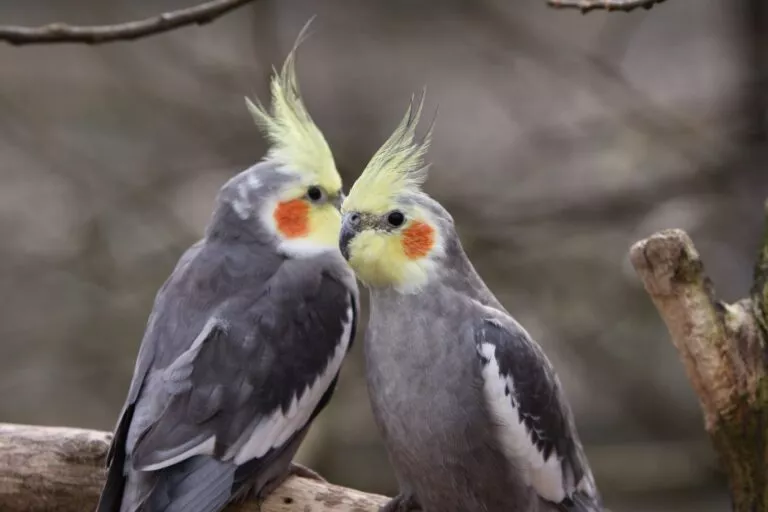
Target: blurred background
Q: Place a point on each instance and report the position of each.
(561, 139)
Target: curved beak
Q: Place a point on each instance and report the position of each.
(349, 226)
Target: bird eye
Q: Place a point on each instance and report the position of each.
(395, 218)
(314, 193)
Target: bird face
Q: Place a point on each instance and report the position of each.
(305, 216)
(299, 210)
(397, 247)
(296, 191)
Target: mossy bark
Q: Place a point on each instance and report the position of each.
(723, 349)
(741, 440)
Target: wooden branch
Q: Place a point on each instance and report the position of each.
(723, 349)
(63, 33)
(609, 5)
(62, 469)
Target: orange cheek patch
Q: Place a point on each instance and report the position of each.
(292, 218)
(418, 239)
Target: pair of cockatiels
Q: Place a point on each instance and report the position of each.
(247, 336)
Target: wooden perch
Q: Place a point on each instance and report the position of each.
(63, 33)
(43, 469)
(609, 5)
(723, 349)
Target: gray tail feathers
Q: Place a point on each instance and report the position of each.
(582, 502)
(198, 484)
(112, 494)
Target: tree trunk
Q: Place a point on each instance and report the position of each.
(723, 349)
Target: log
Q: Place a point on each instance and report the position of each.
(723, 350)
(46, 469)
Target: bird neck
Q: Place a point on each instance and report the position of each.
(456, 273)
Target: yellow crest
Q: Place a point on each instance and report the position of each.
(296, 141)
(397, 167)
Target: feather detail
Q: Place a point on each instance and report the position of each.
(297, 143)
(396, 168)
(282, 424)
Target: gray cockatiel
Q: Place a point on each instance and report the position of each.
(247, 336)
(470, 409)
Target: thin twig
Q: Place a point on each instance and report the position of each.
(98, 34)
(608, 5)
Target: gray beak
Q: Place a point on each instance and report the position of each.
(349, 229)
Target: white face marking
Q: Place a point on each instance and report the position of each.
(278, 428)
(544, 475)
(417, 274)
(296, 247)
(301, 248)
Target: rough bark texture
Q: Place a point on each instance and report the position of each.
(61, 469)
(723, 348)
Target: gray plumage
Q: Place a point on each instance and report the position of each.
(241, 352)
(470, 409)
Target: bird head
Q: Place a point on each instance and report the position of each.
(295, 193)
(392, 232)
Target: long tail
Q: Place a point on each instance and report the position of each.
(582, 502)
(198, 484)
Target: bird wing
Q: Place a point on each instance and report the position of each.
(254, 376)
(111, 495)
(242, 392)
(536, 427)
(145, 358)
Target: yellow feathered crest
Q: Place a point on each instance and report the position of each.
(396, 168)
(296, 141)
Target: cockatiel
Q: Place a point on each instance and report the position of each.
(247, 336)
(469, 407)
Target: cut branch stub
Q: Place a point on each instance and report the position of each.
(722, 347)
(673, 275)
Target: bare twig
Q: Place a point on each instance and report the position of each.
(47, 468)
(98, 34)
(609, 5)
(723, 349)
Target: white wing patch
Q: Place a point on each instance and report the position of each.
(275, 430)
(544, 475)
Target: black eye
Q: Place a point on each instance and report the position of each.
(395, 218)
(314, 193)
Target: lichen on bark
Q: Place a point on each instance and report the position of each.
(723, 349)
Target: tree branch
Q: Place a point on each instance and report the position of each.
(723, 349)
(609, 5)
(47, 468)
(98, 34)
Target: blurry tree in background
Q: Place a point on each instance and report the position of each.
(561, 139)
